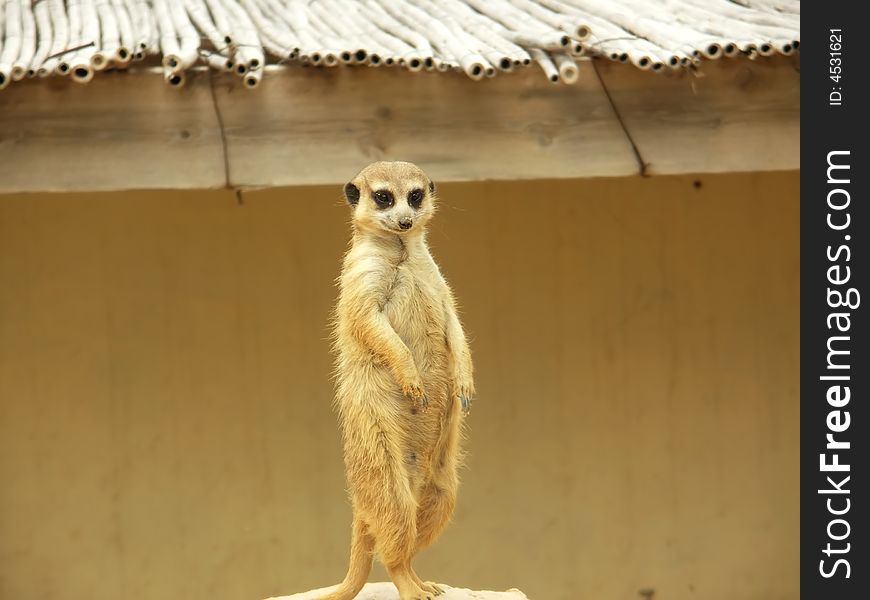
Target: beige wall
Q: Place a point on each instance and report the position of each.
(165, 420)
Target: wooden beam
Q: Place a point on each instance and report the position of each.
(129, 130)
(121, 131)
(733, 115)
(320, 126)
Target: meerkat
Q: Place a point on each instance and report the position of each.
(403, 379)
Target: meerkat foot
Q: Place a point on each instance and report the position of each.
(414, 592)
(427, 586)
(432, 588)
(405, 581)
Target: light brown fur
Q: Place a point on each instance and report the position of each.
(404, 376)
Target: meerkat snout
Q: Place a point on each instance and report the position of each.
(406, 222)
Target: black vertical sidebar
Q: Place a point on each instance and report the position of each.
(835, 371)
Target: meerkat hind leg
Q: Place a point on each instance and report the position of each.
(392, 510)
(437, 498)
(436, 507)
(436, 504)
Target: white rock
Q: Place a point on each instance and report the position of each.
(387, 591)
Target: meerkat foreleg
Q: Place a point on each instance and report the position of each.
(375, 331)
(460, 354)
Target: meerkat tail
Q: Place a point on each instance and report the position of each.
(361, 548)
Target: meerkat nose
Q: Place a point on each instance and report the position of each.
(405, 223)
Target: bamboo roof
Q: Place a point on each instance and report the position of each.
(482, 38)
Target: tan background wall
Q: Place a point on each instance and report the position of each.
(165, 420)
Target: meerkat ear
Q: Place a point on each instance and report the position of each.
(351, 192)
(431, 187)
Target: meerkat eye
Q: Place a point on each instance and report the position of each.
(383, 198)
(415, 198)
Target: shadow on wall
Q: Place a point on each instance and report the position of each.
(165, 419)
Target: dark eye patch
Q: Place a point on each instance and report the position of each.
(383, 198)
(415, 198)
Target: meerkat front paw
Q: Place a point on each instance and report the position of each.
(415, 392)
(464, 391)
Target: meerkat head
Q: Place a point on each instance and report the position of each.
(391, 197)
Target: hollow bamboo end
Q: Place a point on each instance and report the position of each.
(122, 55)
(569, 73)
(99, 61)
(476, 71)
(713, 51)
(175, 78)
(82, 73)
(171, 62)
